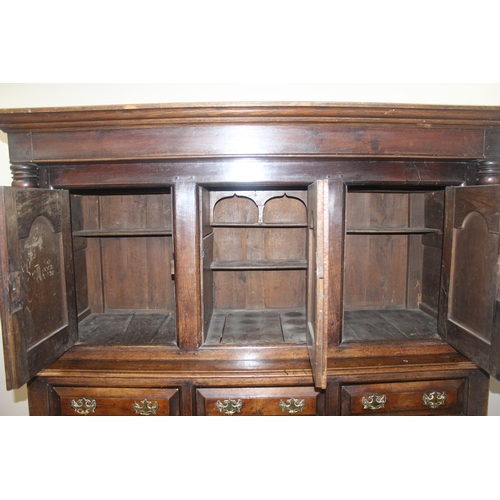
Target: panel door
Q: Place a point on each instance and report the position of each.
(38, 307)
(469, 315)
(317, 279)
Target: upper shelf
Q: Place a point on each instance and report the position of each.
(391, 230)
(259, 225)
(98, 233)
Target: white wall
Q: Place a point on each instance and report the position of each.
(36, 95)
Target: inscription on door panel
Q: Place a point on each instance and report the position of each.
(43, 276)
(474, 262)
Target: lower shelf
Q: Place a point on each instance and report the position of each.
(128, 328)
(270, 326)
(388, 324)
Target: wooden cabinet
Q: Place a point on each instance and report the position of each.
(229, 259)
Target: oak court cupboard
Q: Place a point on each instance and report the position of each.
(252, 259)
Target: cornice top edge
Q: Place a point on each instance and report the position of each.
(159, 115)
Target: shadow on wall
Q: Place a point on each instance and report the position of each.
(21, 394)
(494, 386)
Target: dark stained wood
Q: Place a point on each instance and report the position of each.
(25, 175)
(206, 258)
(117, 402)
(260, 249)
(252, 140)
(376, 265)
(477, 397)
(254, 289)
(391, 230)
(367, 325)
(136, 273)
(492, 143)
(469, 308)
(231, 326)
(258, 264)
(259, 401)
(416, 218)
(38, 312)
(432, 252)
(151, 115)
(80, 258)
(187, 265)
(386, 324)
(122, 328)
(99, 233)
(135, 211)
(257, 231)
(336, 261)
(267, 171)
(317, 310)
(406, 398)
(432, 259)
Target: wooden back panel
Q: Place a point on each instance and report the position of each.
(388, 265)
(259, 241)
(123, 272)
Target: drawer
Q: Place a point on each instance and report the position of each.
(259, 401)
(434, 397)
(115, 401)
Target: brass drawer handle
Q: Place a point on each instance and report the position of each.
(84, 406)
(292, 405)
(374, 402)
(434, 399)
(229, 406)
(145, 407)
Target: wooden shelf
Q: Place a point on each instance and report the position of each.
(264, 225)
(129, 328)
(98, 233)
(391, 230)
(388, 324)
(259, 327)
(250, 265)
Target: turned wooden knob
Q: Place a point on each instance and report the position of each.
(25, 175)
(488, 172)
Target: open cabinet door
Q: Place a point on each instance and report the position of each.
(37, 280)
(317, 279)
(469, 315)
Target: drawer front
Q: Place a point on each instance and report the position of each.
(435, 397)
(95, 401)
(291, 401)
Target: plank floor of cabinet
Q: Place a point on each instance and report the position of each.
(270, 326)
(128, 328)
(388, 324)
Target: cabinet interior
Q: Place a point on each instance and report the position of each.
(254, 261)
(393, 251)
(123, 255)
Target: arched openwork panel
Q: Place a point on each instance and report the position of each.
(235, 209)
(285, 209)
